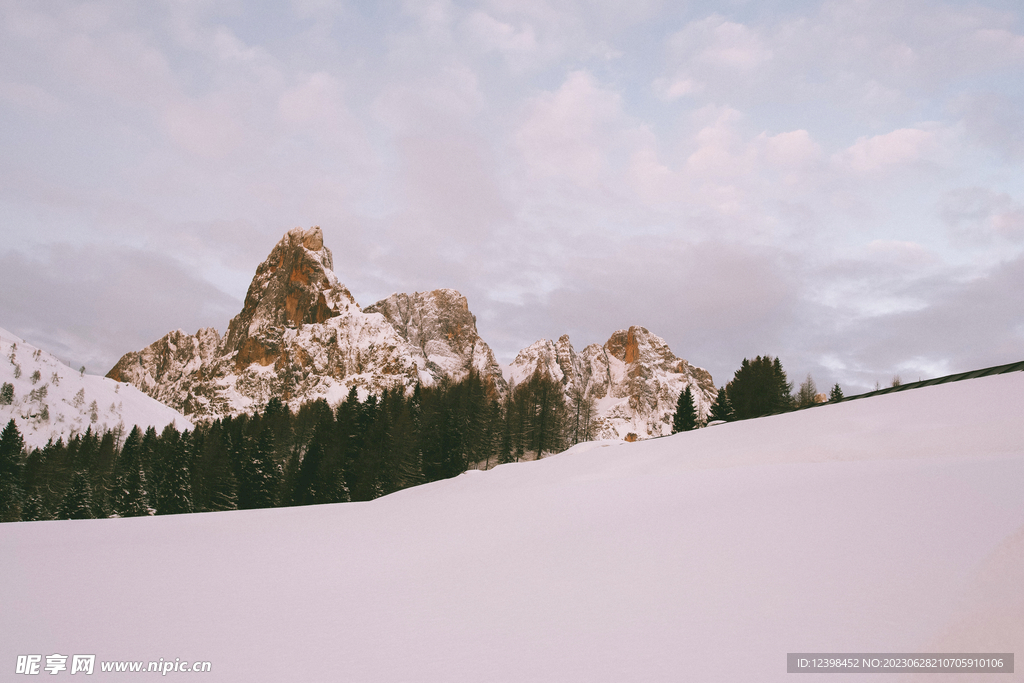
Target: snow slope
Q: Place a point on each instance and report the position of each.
(61, 401)
(889, 524)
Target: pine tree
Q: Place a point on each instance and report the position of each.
(33, 510)
(11, 485)
(6, 394)
(176, 493)
(321, 476)
(685, 417)
(836, 393)
(759, 388)
(581, 413)
(11, 446)
(215, 487)
(807, 394)
(259, 476)
(721, 409)
(129, 496)
(77, 503)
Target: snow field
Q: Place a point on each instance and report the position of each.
(890, 524)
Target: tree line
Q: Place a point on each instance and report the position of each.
(758, 388)
(355, 451)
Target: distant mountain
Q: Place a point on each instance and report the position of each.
(634, 380)
(301, 335)
(51, 400)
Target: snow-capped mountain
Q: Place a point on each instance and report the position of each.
(634, 380)
(301, 336)
(51, 400)
(441, 335)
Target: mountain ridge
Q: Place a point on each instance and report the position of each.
(50, 400)
(301, 336)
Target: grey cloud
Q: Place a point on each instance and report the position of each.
(969, 325)
(993, 120)
(90, 306)
(713, 303)
(977, 215)
(399, 140)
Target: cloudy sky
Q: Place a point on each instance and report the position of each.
(835, 183)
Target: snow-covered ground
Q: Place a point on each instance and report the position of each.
(889, 524)
(52, 400)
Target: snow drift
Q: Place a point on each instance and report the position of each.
(889, 524)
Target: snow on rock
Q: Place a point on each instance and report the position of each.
(888, 524)
(441, 334)
(634, 380)
(54, 401)
(301, 336)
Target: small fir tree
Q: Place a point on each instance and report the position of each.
(836, 393)
(806, 395)
(685, 417)
(721, 409)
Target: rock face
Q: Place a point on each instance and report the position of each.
(441, 335)
(634, 380)
(295, 286)
(301, 336)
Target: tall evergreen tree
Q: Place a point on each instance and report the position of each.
(259, 476)
(129, 496)
(77, 503)
(11, 485)
(11, 447)
(176, 493)
(47, 473)
(721, 409)
(759, 388)
(214, 487)
(322, 471)
(549, 413)
(685, 417)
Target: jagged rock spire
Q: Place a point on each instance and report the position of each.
(294, 286)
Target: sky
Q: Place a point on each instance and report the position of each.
(838, 184)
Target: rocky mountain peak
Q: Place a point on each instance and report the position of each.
(441, 333)
(300, 336)
(625, 344)
(634, 379)
(294, 286)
